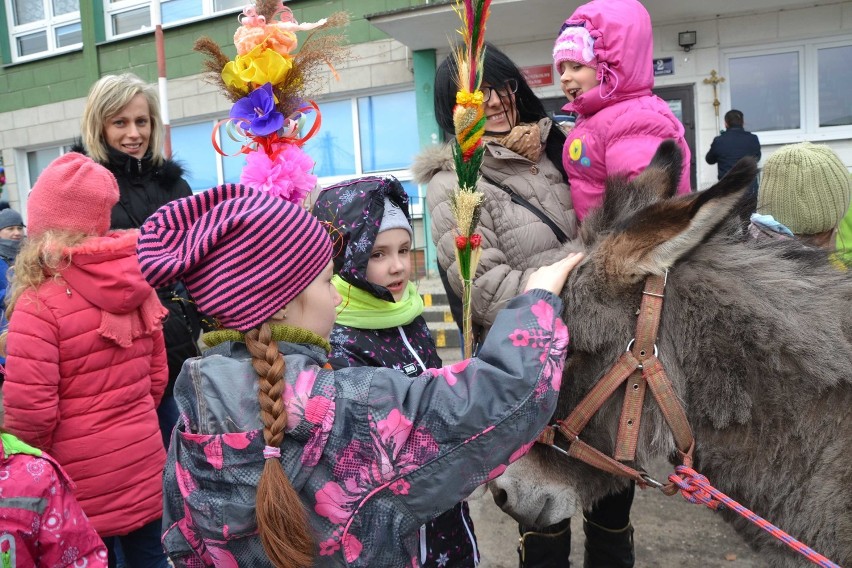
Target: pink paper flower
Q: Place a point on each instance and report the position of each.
(288, 175)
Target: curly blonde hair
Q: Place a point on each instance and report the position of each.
(39, 259)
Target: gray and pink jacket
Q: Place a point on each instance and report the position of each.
(620, 123)
(372, 452)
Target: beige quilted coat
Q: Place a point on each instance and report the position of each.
(515, 241)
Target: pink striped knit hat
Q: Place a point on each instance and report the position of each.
(242, 253)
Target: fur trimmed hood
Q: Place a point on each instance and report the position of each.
(168, 173)
(434, 159)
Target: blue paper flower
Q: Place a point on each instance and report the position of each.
(258, 109)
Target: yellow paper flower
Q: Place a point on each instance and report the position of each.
(467, 98)
(257, 67)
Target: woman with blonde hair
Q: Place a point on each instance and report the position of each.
(123, 131)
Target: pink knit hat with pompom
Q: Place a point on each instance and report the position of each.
(74, 193)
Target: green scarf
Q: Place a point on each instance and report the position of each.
(12, 445)
(362, 310)
(280, 332)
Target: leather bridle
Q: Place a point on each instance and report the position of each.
(642, 370)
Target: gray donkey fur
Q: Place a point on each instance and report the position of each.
(756, 337)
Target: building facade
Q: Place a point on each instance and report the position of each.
(784, 64)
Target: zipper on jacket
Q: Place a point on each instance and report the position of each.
(423, 550)
(470, 536)
(410, 348)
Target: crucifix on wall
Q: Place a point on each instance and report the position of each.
(714, 80)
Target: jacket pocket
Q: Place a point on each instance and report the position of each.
(217, 477)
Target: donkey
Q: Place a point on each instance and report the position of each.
(756, 338)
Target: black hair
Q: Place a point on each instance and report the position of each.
(497, 69)
(734, 118)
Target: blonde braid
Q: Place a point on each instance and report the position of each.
(281, 518)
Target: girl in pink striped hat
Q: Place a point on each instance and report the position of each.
(278, 460)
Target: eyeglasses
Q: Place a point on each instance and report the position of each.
(509, 87)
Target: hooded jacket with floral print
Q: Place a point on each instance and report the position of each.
(41, 524)
(372, 453)
(448, 540)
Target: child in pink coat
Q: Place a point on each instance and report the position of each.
(86, 363)
(603, 55)
(41, 524)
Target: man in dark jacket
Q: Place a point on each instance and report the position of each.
(732, 144)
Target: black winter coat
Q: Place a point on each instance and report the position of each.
(143, 188)
(733, 144)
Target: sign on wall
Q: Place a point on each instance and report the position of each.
(664, 66)
(538, 75)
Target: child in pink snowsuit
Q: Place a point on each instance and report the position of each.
(41, 523)
(603, 55)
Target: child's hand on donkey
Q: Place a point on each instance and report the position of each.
(553, 276)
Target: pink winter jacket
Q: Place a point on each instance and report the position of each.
(41, 524)
(620, 123)
(86, 369)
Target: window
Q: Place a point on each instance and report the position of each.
(204, 166)
(38, 160)
(39, 28)
(375, 134)
(125, 17)
(384, 126)
(191, 147)
(793, 92)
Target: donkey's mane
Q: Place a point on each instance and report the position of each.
(755, 317)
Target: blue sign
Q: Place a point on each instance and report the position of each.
(664, 66)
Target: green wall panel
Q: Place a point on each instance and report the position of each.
(76, 71)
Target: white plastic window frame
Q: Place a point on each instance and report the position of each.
(113, 8)
(48, 25)
(416, 205)
(808, 51)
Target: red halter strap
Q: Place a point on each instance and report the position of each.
(641, 369)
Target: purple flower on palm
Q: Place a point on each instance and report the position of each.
(258, 109)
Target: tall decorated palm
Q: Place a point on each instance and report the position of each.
(469, 123)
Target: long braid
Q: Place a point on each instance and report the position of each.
(281, 518)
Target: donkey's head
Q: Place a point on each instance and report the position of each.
(725, 300)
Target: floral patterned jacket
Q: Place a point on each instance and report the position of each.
(41, 524)
(373, 453)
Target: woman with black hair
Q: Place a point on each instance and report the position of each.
(527, 214)
(527, 219)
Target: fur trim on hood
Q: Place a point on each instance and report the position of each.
(168, 173)
(432, 160)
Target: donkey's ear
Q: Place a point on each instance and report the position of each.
(663, 172)
(653, 239)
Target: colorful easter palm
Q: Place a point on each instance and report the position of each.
(469, 122)
(269, 83)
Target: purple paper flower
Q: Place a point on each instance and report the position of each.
(258, 109)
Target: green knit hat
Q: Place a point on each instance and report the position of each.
(806, 187)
